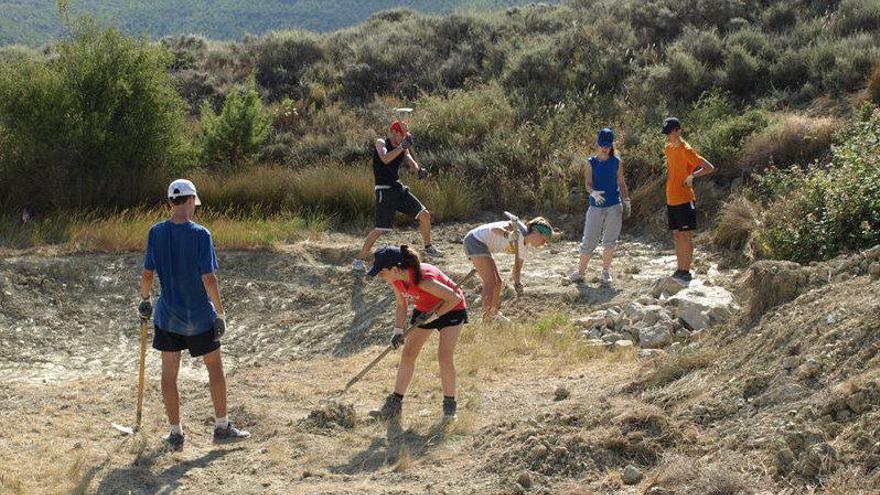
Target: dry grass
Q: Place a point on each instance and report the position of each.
(677, 366)
(127, 230)
(553, 341)
(738, 223)
(795, 139)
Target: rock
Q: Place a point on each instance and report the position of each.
(666, 287)
(655, 337)
(651, 353)
(561, 393)
(874, 270)
(538, 451)
(647, 301)
(809, 369)
(843, 415)
(674, 348)
(525, 480)
(592, 333)
(857, 402)
(791, 362)
(784, 460)
(653, 314)
(700, 306)
(623, 344)
(631, 475)
(635, 311)
(597, 343)
(819, 459)
(594, 319)
(612, 337)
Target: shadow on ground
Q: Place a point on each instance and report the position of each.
(139, 478)
(397, 446)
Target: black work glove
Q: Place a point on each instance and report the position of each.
(407, 142)
(219, 327)
(423, 173)
(397, 338)
(145, 309)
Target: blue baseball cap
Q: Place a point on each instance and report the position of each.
(606, 137)
(385, 257)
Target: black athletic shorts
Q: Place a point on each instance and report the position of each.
(198, 345)
(390, 201)
(682, 217)
(450, 319)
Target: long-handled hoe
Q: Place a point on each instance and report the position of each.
(388, 349)
(140, 399)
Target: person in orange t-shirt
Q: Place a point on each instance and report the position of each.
(684, 164)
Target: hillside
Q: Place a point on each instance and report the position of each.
(35, 22)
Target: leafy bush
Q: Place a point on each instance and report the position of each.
(231, 139)
(723, 130)
(681, 79)
(461, 120)
(742, 72)
(858, 15)
(282, 57)
(837, 207)
(99, 124)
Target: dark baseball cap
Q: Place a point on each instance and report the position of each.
(385, 257)
(670, 124)
(606, 137)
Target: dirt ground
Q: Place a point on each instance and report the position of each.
(722, 416)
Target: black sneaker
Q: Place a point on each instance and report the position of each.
(390, 410)
(229, 433)
(682, 276)
(173, 441)
(449, 408)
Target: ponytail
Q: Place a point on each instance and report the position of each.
(412, 262)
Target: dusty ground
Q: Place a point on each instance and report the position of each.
(714, 419)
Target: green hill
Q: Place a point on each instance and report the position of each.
(35, 22)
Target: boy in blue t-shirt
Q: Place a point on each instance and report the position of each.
(189, 313)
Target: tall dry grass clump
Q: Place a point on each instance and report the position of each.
(794, 140)
(738, 224)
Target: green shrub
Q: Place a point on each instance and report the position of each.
(780, 17)
(790, 70)
(858, 15)
(230, 139)
(461, 120)
(280, 60)
(837, 207)
(98, 124)
(705, 46)
(742, 72)
(682, 79)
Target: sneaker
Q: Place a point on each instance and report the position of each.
(229, 433)
(576, 276)
(606, 277)
(433, 252)
(173, 441)
(359, 266)
(682, 276)
(390, 410)
(449, 407)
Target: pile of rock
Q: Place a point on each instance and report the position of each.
(652, 322)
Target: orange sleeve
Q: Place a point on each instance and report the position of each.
(694, 160)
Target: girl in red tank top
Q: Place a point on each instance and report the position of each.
(439, 305)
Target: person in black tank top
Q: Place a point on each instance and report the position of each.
(389, 153)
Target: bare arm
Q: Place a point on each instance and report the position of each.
(146, 284)
(444, 292)
(410, 161)
(517, 270)
(704, 169)
(621, 182)
(385, 155)
(212, 287)
(588, 177)
(400, 314)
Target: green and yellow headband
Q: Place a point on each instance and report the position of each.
(544, 230)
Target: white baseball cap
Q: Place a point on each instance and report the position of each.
(183, 187)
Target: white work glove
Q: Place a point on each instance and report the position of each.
(598, 197)
(689, 181)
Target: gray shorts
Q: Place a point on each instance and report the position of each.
(474, 248)
(601, 224)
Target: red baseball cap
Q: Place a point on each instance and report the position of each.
(396, 126)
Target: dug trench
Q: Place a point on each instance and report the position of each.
(780, 396)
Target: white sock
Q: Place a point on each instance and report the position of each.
(221, 422)
(177, 429)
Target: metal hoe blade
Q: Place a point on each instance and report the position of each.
(123, 429)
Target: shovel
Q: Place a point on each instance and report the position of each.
(140, 400)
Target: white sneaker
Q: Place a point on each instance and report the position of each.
(359, 266)
(576, 276)
(606, 277)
